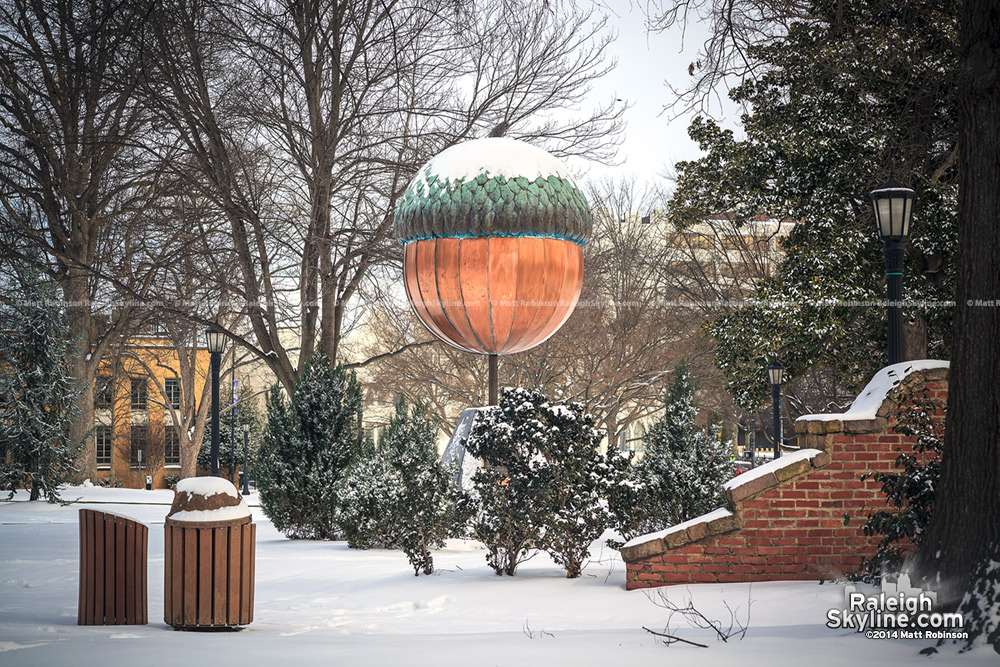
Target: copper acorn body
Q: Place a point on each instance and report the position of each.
(493, 295)
(493, 262)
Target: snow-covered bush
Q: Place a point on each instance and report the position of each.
(367, 495)
(308, 444)
(398, 495)
(543, 482)
(682, 472)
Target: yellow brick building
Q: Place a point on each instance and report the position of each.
(150, 410)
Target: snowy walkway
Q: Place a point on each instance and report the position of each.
(327, 604)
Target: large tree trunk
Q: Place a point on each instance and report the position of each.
(965, 528)
(77, 295)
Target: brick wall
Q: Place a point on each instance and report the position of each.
(789, 523)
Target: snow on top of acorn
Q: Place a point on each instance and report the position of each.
(495, 156)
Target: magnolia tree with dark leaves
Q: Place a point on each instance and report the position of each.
(398, 495)
(543, 481)
(308, 443)
(836, 94)
(682, 472)
(37, 394)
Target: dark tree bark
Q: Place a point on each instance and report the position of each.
(965, 528)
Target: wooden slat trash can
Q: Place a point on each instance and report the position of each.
(210, 544)
(113, 554)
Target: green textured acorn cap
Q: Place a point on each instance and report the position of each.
(493, 187)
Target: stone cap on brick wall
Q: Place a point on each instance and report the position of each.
(718, 521)
(877, 401)
(771, 474)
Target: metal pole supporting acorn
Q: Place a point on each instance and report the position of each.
(493, 379)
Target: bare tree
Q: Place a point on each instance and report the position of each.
(74, 185)
(304, 123)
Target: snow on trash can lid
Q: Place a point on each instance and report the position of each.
(207, 500)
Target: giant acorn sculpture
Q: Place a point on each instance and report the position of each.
(493, 232)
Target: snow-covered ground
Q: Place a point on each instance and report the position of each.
(323, 603)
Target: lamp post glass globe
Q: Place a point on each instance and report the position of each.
(892, 206)
(214, 340)
(775, 373)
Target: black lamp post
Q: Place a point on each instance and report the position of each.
(775, 373)
(892, 204)
(232, 428)
(245, 423)
(214, 340)
(751, 438)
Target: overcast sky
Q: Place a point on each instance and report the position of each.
(654, 140)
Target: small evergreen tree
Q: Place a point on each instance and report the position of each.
(578, 478)
(506, 519)
(399, 495)
(36, 393)
(543, 482)
(682, 472)
(308, 444)
(368, 495)
(428, 504)
(625, 499)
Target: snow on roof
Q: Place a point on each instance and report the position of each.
(207, 486)
(496, 156)
(770, 466)
(720, 513)
(866, 405)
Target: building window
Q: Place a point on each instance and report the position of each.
(172, 446)
(632, 445)
(104, 440)
(172, 392)
(140, 443)
(140, 393)
(103, 392)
